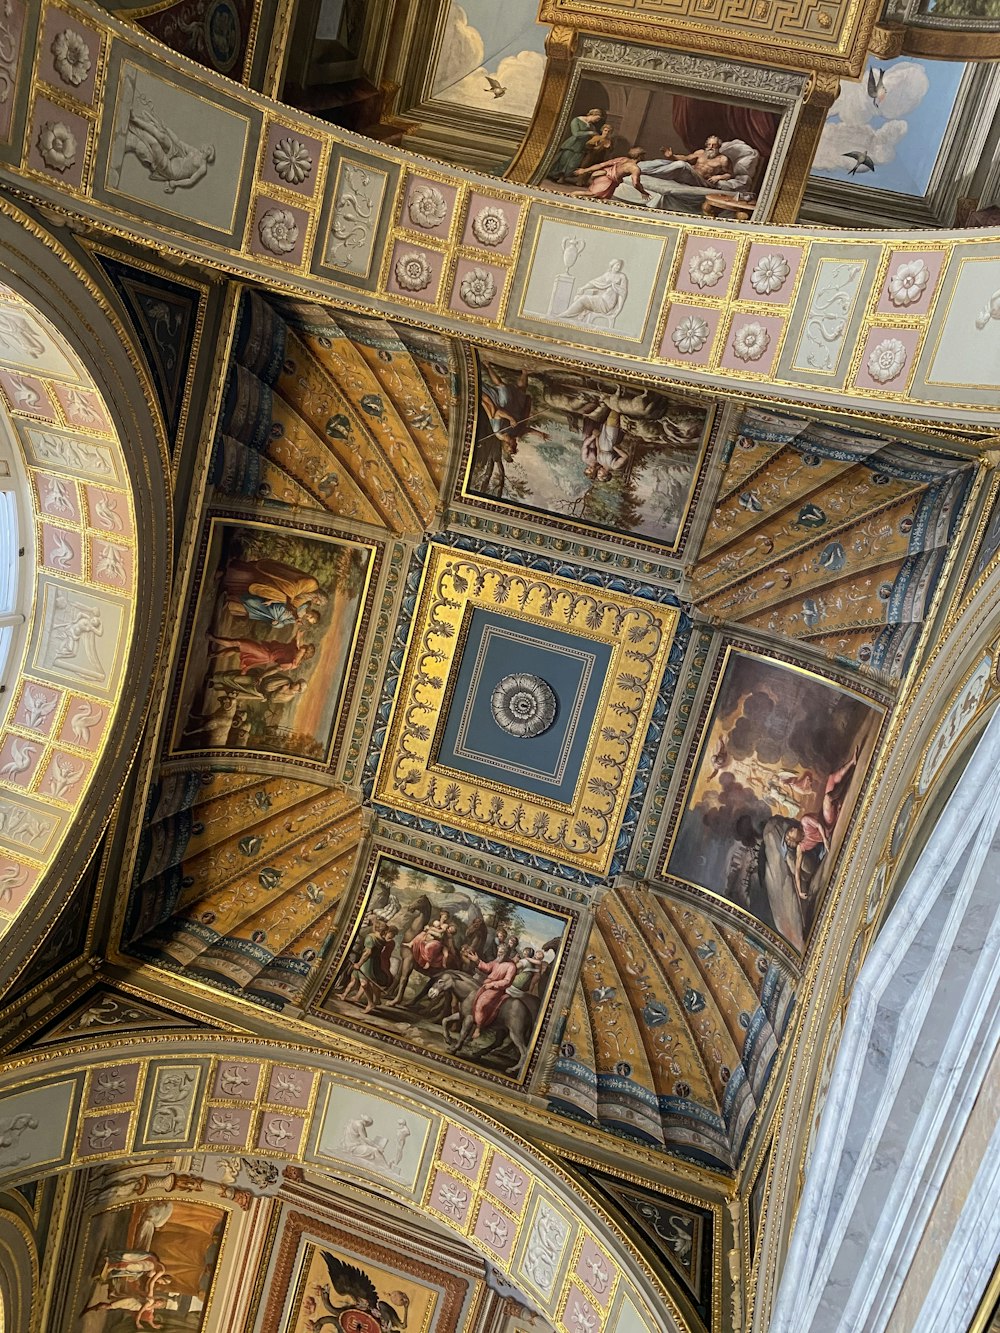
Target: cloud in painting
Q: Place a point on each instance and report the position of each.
(461, 71)
(855, 124)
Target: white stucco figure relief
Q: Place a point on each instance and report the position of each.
(62, 554)
(166, 158)
(37, 708)
(602, 299)
(72, 455)
(11, 1130)
(11, 878)
(372, 1149)
(21, 755)
(110, 564)
(991, 310)
(82, 721)
(62, 775)
(76, 628)
(544, 1247)
(56, 498)
(18, 337)
(23, 394)
(23, 826)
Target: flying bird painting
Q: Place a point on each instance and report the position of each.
(862, 162)
(876, 86)
(494, 86)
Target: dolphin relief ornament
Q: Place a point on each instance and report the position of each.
(562, 287)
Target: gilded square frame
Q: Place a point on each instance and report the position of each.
(584, 831)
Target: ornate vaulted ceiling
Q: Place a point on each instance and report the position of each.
(576, 603)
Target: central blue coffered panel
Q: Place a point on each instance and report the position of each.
(471, 740)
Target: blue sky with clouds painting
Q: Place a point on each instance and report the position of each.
(902, 135)
(503, 40)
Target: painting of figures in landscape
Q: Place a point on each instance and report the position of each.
(271, 642)
(149, 1265)
(582, 448)
(449, 968)
(780, 769)
(645, 144)
(886, 131)
(335, 1283)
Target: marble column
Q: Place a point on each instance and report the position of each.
(922, 1030)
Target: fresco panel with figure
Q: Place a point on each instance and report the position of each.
(449, 967)
(769, 800)
(584, 450)
(149, 1264)
(646, 143)
(271, 642)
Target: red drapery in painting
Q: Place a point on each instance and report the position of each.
(695, 119)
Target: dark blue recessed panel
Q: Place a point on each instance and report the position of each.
(574, 667)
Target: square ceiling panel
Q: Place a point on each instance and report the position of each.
(522, 707)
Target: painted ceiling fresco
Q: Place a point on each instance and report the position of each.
(520, 716)
(525, 738)
(672, 1029)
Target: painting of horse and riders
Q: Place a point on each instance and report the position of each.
(588, 451)
(449, 968)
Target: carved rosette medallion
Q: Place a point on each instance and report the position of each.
(523, 705)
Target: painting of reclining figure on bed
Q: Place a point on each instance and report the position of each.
(645, 144)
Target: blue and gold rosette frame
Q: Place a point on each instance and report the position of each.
(583, 830)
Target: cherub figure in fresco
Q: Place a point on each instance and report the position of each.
(167, 158)
(430, 951)
(605, 177)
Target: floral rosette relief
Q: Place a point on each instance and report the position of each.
(705, 269)
(886, 360)
(690, 335)
(412, 271)
(427, 207)
(478, 288)
(278, 231)
(751, 341)
(56, 145)
(71, 57)
(907, 282)
(769, 274)
(490, 226)
(291, 160)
